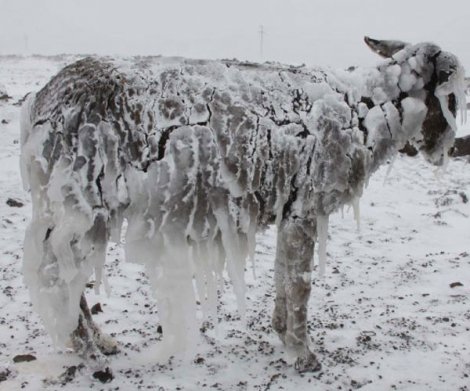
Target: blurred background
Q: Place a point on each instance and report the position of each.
(326, 32)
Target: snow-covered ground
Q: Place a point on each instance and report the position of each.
(392, 312)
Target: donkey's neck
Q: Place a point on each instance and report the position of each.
(391, 109)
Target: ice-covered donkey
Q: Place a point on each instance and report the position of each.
(197, 156)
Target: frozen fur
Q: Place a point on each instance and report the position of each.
(198, 156)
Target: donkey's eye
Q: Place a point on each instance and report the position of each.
(443, 76)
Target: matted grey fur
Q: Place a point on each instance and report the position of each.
(198, 156)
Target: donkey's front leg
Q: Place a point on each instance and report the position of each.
(293, 267)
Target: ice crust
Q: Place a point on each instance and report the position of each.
(197, 156)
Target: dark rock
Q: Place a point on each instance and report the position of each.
(455, 284)
(23, 358)
(14, 203)
(409, 150)
(199, 360)
(461, 147)
(159, 329)
(4, 374)
(104, 376)
(8, 291)
(96, 309)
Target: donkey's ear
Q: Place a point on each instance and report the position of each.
(385, 48)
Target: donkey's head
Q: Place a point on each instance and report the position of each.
(436, 78)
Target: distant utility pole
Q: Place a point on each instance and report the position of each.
(25, 39)
(261, 40)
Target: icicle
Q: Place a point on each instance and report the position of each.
(389, 169)
(462, 102)
(322, 237)
(107, 287)
(172, 280)
(444, 102)
(253, 265)
(357, 212)
(251, 236)
(203, 258)
(459, 92)
(456, 86)
(235, 258)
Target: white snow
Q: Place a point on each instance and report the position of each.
(322, 238)
(356, 204)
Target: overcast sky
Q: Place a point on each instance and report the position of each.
(315, 32)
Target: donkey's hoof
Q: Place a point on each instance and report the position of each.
(307, 363)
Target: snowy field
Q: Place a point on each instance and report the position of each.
(392, 312)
